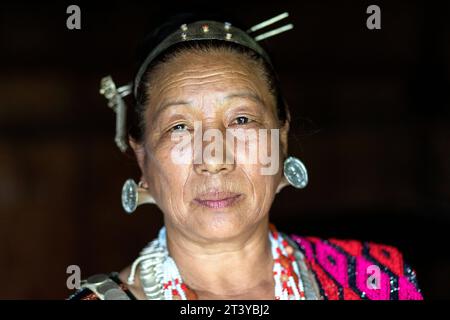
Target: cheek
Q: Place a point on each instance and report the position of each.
(259, 150)
(167, 175)
(263, 185)
(261, 164)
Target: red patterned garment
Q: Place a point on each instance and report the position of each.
(354, 270)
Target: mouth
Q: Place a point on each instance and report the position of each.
(218, 200)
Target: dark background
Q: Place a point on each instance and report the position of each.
(370, 117)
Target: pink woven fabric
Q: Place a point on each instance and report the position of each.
(353, 270)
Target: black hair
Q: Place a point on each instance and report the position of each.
(136, 125)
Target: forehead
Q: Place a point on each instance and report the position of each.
(213, 75)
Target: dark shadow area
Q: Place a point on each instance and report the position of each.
(370, 119)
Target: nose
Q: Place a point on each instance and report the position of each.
(213, 167)
(221, 162)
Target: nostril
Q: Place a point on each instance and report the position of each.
(214, 169)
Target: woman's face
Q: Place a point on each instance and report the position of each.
(205, 189)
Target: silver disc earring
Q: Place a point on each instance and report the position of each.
(130, 196)
(134, 195)
(295, 172)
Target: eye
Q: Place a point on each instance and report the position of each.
(179, 127)
(241, 120)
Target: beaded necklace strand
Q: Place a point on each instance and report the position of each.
(161, 279)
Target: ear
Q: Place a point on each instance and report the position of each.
(284, 133)
(283, 183)
(139, 152)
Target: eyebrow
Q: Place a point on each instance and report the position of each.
(247, 95)
(173, 103)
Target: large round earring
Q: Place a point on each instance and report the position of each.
(134, 195)
(295, 172)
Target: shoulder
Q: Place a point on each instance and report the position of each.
(103, 287)
(351, 269)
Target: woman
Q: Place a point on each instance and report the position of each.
(200, 80)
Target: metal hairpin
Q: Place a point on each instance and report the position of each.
(268, 22)
(115, 101)
(200, 30)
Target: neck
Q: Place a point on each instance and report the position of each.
(235, 267)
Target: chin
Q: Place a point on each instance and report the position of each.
(220, 225)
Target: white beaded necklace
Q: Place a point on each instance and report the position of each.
(161, 279)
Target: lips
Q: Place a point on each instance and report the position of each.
(218, 199)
